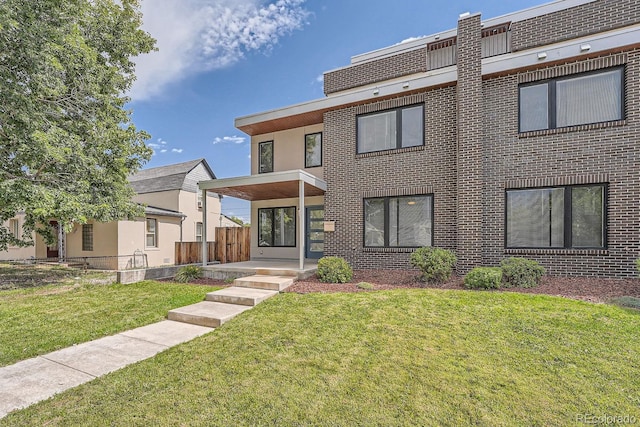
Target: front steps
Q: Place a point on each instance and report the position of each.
(223, 305)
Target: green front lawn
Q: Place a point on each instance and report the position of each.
(39, 320)
(405, 357)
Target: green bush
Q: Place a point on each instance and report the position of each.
(365, 285)
(521, 272)
(187, 273)
(436, 264)
(638, 264)
(333, 269)
(484, 278)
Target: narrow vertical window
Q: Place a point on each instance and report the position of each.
(14, 228)
(198, 232)
(265, 157)
(152, 233)
(87, 237)
(313, 150)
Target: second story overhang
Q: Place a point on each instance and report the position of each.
(311, 112)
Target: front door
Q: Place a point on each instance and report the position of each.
(52, 251)
(315, 232)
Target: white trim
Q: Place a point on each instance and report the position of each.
(264, 178)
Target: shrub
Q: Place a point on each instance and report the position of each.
(521, 272)
(187, 273)
(333, 269)
(484, 278)
(436, 264)
(638, 264)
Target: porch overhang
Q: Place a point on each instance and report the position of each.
(267, 186)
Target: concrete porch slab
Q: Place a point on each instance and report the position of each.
(207, 313)
(264, 267)
(240, 295)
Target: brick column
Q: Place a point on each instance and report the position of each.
(469, 152)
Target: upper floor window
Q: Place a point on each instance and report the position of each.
(581, 99)
(405, 221)
(556, 217)
(313, 150)
(391, 129)
(152, 233)
(87, 237)
(265, 157)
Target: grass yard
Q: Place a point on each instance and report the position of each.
(42, 319)
(405, 357)
(34, 275)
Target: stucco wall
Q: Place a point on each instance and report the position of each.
(189, 207)
(133, 237)
(14, 252)
(288, 149)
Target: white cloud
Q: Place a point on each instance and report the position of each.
(164, 150)
(320, 79)
(153, 145)
(194, 36)
(235, 139)
(176, 150)
(410, 39)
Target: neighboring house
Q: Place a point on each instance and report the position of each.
(512, 136)
(173, 213)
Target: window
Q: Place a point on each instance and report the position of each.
(405, 221)
(199, 200)
(87, 237)
(277, 227)
(198, 232)
(14, 228)
(265, 157)
(388, 130)
(562, 217)
(569, 101)
(152, 233)
(313, 150)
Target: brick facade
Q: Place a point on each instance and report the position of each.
(399, 65)
(473, 153)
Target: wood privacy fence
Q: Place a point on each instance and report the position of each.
(232, 245)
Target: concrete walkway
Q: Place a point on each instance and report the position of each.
(30, 381)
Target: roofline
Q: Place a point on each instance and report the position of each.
(418, 43)
(265, 178)
(562, 51)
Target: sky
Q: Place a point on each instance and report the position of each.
(222, 59)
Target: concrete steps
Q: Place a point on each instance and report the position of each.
(207, 313)
(240, 296)
(259, 281)
(225, 304)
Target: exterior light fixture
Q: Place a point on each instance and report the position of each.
(542, 55)
(376, 91)
(585, 47)
(405, 85)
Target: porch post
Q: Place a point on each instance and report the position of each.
(205, 251)
(301, 222)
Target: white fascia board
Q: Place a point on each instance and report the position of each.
(264, 178)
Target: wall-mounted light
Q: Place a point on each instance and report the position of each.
(376, 91)
(542, 55)
(405, 85)
(585, 47)
(437, 37)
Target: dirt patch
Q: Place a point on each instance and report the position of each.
(591, 289)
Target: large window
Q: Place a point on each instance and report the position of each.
(87, 237)
(152, 233)
(265, 157)
(313, 150)
(277, 227)
(387, 130)
(569, 101)
(562, 217)
(405, 221)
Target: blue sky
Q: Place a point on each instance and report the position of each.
(222, 59)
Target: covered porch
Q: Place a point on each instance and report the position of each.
(294, 184)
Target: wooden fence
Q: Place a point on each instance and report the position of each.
(232, 244)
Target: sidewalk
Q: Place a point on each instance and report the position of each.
(30, 381)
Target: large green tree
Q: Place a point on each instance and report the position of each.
(67, 142)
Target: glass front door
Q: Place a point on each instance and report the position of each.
(315, 232)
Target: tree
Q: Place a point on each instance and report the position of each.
(239, 221)
(67, 143)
